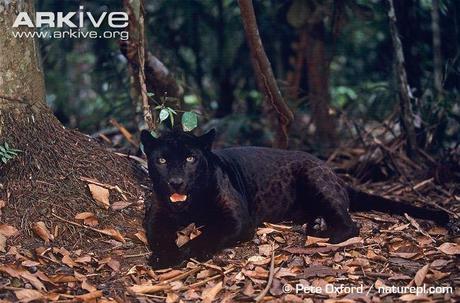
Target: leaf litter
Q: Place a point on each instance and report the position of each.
(391, 251)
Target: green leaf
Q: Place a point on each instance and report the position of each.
(171, 118)
(154, 134)
(189, 121)
(2, 149)
(11, 152)
(6, 145)
(172, 110)
(164, 114)
(4, 160)
(150, 95)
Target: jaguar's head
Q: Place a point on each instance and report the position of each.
(179, 165)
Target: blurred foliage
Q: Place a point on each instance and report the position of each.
(202, 43)
(7, 153)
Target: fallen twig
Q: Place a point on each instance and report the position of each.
(203, 282)
(270, 277)
(102, 232)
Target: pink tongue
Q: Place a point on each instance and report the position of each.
(177, 198)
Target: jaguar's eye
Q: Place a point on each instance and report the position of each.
(161, 160)
(190, 159)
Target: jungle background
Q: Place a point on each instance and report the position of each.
(376, 97)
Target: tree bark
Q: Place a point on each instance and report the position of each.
(408, 24)
(46, 174)
(137, 58)
(406, 114)
(264, 73)
(318, 83)
(21, 78)
(437, 56)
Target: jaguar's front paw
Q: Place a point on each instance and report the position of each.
(453, 226)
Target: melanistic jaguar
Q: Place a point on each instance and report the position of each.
(229, 192)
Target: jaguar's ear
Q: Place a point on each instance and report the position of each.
(207, 139)
(148, 141)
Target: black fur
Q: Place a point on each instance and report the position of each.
(231, 191)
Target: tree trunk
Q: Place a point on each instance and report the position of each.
(318, 83)
(21, 80)
(408, 24)
(46, 174)
(437, 57)
(136, 55)
(264, 73)
(407, 117)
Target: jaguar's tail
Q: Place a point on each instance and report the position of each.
(361, 201)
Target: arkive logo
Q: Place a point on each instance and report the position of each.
(60, 19)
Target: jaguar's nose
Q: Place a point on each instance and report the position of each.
(176, 182)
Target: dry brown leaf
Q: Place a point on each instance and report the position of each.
(2, 204)
(170, 274)
(148, 289)
(373, 256)
(319, 271)
(42, 231)
(313, 240)
(188, 233)
(171, 297)
(29, 263)
(311, 250)
(141, 236)
(67, 260)
(296, 299)
(343, 300)
(89, 296)
(88, 218)
(8, 230)
(404, 255)
(414, 298)
(265, 249)
(450, 248)
(439, 263)
(13, 272)
(83, 259)
(349, 242)
(285, 272)
(88, 286)
(437, 275)
(16, 273)
(209, 294)
(114, 265)
(28, 295)
(113, 233)
(83, 215)
(61, 278)
(278, 226)
(421, 275)
(399, 277)
(265, 231)
(2, 243)
(120, 205)
(100, 195)
(259, 260)
(33, 280)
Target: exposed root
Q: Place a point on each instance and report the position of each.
(47, 176)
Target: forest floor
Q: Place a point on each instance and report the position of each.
(99, 254)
